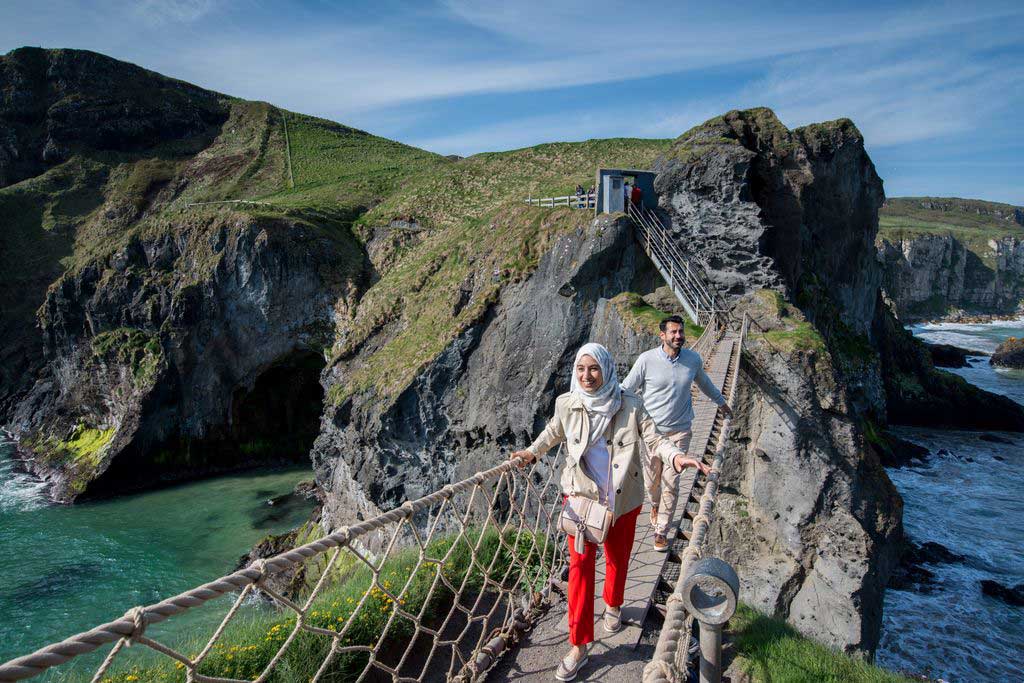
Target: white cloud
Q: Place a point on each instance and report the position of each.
(893, 99)
(157, 12)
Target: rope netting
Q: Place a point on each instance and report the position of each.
(435, 589)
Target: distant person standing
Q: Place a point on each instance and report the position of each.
(636, 196)
(627, 191)
(663, 377)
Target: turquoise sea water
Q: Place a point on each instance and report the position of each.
(969, 496)
(67, 568)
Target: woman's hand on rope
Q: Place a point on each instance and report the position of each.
(525, 457)
(681, 462)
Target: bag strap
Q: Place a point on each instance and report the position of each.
(608, 450)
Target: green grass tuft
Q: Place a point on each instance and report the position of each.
(798, 334)
(771, 651)
(138, 349)
(646, 318)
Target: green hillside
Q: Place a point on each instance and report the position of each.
(471, 188)
(967, 219)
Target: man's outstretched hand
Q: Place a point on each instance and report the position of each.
(525, 457)
(726, 409)
(681, 462)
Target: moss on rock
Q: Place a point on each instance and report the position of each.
(138, 349)
(1009, 354)
(643, 317)
(792, 331)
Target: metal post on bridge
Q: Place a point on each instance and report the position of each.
(710, 591)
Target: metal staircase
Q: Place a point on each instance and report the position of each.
(687, 278)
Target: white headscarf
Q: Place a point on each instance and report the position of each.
(602, 404)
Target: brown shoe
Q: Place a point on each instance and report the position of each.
(654, 515)
(660, 543)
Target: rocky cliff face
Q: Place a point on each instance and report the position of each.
(767, 207)
(785, 221)
(944, 256)
(490, 389)
(807, 515)
(797, 212)
(58, 102)
(930, 275)
(67, 117)
(172, 368)
(147, 338)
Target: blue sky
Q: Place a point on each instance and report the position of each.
(936, 88)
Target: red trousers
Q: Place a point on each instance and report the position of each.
(617, 548)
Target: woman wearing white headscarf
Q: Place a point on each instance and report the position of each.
(602, 425)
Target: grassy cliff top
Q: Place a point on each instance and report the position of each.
(471, 188)
(967, 219)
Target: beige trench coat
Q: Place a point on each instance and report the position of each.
(631, 424)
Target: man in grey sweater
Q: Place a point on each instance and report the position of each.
(663, 377)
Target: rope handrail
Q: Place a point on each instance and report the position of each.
(671, 653)
(530, 499)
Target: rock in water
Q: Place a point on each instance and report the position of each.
(948, 356)
(910, 575)
(1009, 354)
(1011, 596)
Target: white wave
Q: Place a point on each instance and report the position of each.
(19, 490)
(1009, 322)
(969, 342)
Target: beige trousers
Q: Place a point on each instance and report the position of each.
(663, 481)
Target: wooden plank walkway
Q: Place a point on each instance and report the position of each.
(614, 657)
